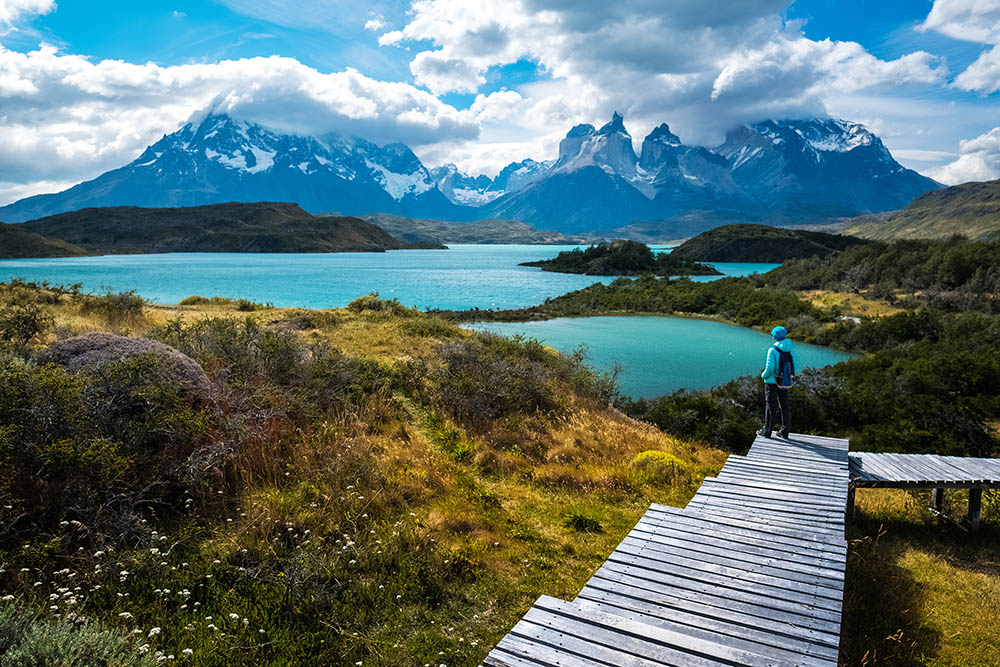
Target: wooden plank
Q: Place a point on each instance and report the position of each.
(530, 640)
(780, 568)
(770, 485)
(822, 484)
(740, 638)
(833, 543)
(640, 639)
(950, 472)
(769, 510)
(670, 583)
(821, 501)
(667, 604)
(738, 578)
(695, 522)
(766, 523)
(912, 468)
(786, 467)
(809, 557)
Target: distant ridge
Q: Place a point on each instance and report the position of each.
(229, 227)
(970, 209)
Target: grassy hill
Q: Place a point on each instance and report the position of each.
(413, 230)
(761, 243)
(233, 227)
(970, 209)
(16, 242)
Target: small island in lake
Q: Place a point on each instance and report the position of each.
(622, 258)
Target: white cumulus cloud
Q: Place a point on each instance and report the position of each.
(971, 21)
(12, 11)
(65, 117)
(979, 161)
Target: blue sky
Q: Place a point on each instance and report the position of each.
(482, 85)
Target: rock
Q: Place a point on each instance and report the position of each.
(95, 350)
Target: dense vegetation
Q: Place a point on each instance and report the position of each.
(972, 209)
(365, 484)
(761, 243)
(16, 242)
(233, 227)
(622, 258)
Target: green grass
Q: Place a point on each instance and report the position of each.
(920, 591)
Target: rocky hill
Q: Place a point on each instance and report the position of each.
(231, 227)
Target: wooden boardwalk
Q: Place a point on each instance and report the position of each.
(751, 572)
(926, 471)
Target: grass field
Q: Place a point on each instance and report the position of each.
(360, 489)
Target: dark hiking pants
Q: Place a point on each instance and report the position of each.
(775, 405)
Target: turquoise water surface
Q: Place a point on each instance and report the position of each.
(658, 355)
(465, 276)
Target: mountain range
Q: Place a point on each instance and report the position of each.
(779, 172)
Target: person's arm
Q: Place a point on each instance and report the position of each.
(769, 365)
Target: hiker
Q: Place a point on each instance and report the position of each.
(779, 374)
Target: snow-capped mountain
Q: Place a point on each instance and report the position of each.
(788, 171)
(819, 168)
(219, 159)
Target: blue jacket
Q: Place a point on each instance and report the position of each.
(771, 363)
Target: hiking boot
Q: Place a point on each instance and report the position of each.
(762, 432)
(782, 434)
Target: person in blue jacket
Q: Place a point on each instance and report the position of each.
(775, 398)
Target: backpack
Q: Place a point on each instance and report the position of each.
(784, 374)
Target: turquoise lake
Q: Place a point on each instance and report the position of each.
(465, 276)
(659, 355)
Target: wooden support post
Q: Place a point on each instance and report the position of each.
(975, 506)
(850, 502)
(937, 499)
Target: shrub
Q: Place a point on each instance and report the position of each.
(485, 380)
(26, 640)
(373, 303)
(194, 301)
(658, 466)
(114, 308)
(22, 320)
(430, 327)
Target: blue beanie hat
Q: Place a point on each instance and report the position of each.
(779, 333)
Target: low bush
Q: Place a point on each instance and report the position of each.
(26, 640)
(372, 303)
(659, 467)
(114, 308)
(22, 320)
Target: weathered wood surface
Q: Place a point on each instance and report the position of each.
(751, 572)
(923, 471)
